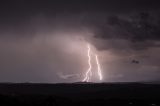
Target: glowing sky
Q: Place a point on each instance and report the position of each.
(45, 41)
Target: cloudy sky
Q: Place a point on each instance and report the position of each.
(46, 41)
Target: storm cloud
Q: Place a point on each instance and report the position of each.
(39, 39)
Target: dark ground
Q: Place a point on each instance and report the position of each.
(90, 94)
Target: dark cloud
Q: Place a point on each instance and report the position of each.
(141, 29)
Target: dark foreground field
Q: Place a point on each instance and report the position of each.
(80, 94)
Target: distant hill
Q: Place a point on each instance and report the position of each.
(79, 93)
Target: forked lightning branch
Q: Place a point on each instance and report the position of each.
(88, 73)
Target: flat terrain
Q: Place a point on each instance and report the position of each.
(90, 94)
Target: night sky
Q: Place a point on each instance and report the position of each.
(45, 41)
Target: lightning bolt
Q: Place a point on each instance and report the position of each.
(88, 74)
(99, 68)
